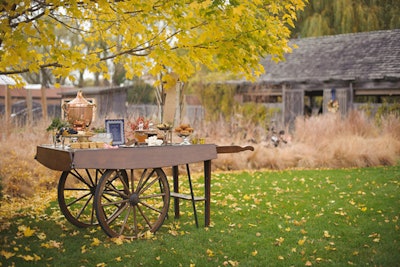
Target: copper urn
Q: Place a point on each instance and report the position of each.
(79, 112)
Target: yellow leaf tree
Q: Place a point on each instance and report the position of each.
(145, 37)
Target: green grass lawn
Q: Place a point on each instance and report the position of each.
(266, 218)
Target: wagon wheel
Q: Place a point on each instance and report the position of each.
(134, 208)
(76, 190)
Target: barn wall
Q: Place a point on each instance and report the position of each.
(293, 105)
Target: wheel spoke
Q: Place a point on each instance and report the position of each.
(78, 176)
(115, 203)
(90, 179)
(142, 190)
(144, 180)
(125, 220)
(84, 207)
(145, 217)
(115, 214)
(79, 199)
(150, 207)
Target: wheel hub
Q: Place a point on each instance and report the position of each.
(134, 199)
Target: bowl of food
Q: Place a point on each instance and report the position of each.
(184, 131)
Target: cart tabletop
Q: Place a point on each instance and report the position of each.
(57, 158)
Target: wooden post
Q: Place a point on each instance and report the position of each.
(29, 105)
(8, 104)
(7, 99)
(43, 100)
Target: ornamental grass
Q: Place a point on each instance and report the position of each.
(326, 141)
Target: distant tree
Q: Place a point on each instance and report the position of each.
(141, 92)
(330, 17)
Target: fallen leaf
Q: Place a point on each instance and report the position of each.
(118, 240)
(6, 254)
(148, 235)
(326, 234)
(233, 263)
(279, 241)
(301, 242)
(210, 253)
(27, 231)
(51, 244)
(41, 236)
(95, 242)
(26, 257)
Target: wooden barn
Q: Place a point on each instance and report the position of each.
(343, 67)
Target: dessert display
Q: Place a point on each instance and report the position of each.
(87, 145)
(184, 130)
(166, 129)
(164, 126)
(153, 141)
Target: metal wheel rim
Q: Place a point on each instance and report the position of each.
(135, 208)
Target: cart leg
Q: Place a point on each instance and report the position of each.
(207, 192)
(175, 175)
(192, 195)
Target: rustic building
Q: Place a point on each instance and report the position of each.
(360, 64)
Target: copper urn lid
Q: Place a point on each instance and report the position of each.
(79, 112)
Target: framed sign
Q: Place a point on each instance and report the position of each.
(116, 128)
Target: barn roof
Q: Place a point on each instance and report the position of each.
(360, 57)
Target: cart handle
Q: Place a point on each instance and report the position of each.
(233, 149)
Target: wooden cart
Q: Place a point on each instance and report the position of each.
(125, 190)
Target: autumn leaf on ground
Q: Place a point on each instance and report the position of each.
(148, 235)
(95, 242)
(326, 234)
(29, 257)
(301, 241)
(6, 254)
(41, 236)
(51, 244)
(210, 253)
(279, 241)
(26, 230)
(118, 240)
(231, 263)
(375, 236)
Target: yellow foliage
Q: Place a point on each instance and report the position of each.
(148, 36)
